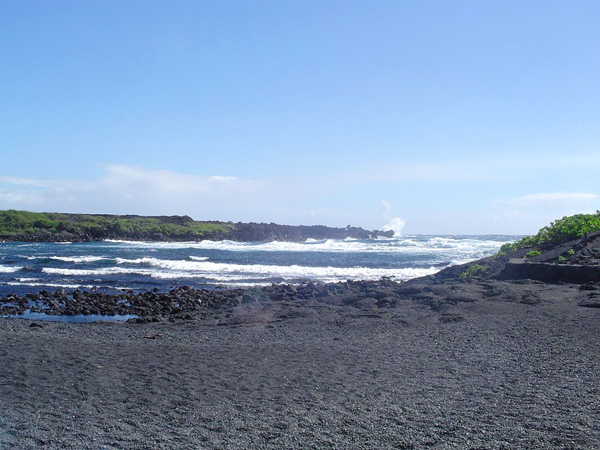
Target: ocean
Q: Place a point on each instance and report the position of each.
(122, 265)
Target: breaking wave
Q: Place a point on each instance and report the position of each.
(148, 265)
(170, 269)
(79, 259)
(403, 244)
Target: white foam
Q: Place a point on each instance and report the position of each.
(427, 255)
(171, 269)
(53, 285)
(79, 259)
(199, 258)
(400, 245)
(92, 272)
(144, 260)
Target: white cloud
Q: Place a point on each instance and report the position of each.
(134, 190)
(552, 198)
(125, 189)
(17, 181)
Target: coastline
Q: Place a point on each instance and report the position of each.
(26, 226)
(490, 359)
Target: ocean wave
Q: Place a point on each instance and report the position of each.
(144, 260)
(59, 285)
(171, 269)
(52, 285)
(229, 263)
(72, 259)
(79, 259)
(92, 272)
(409, 245)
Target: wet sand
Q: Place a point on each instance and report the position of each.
(481, 373)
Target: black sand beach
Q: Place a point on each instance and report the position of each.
(497, 372)
(502, 353)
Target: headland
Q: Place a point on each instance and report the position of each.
(59, 227)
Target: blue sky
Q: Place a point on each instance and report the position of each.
(457, 117)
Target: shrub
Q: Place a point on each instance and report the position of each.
(532, 253)
(506, 248)
(558, 232)
(24, 222)
(473, 270)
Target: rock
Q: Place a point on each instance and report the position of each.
(387, 302)
(530, 298)
(590, 286)
(451, 318)
(461, 298)
(593, 302)
(248, 299)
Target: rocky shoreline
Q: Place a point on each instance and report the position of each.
(497, 276)
(228, 306)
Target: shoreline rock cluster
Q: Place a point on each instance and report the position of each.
(190, 304)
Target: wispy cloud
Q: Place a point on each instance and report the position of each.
(131, 189)
(19, 181)
(552, 198)
(134, 179)
(126, 189)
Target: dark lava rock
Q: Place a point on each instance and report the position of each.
(590, 302)
(590, 286)
(530, 298)
(450, 318)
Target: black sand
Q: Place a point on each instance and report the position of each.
(503, 365)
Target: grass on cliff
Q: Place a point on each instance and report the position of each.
(558, 232)
(24, 222)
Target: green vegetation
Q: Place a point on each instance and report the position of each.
(533, 253)
(569, 253)
(104, 226)
(473, 270)
(557, 233)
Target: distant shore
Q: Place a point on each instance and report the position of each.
(59, 227)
